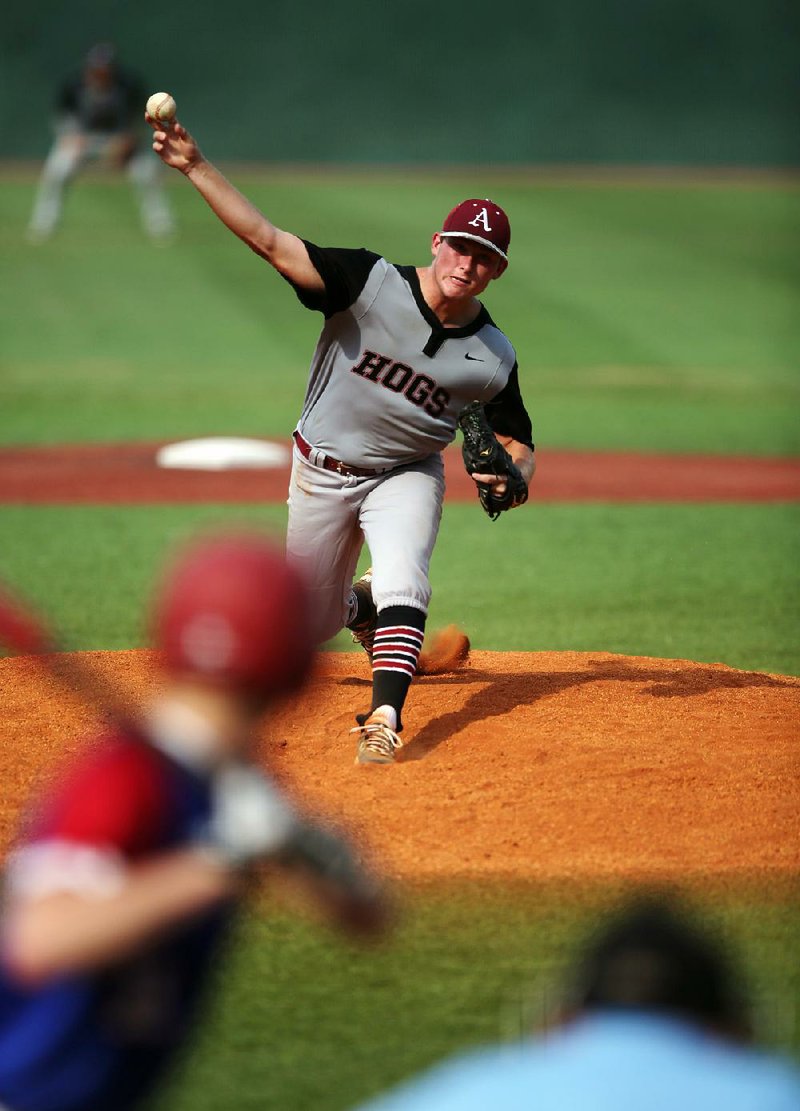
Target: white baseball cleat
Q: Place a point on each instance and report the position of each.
(378, 742)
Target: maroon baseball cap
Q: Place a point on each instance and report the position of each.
(232, 612)
(481, 220)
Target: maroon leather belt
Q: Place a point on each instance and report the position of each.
(331, 464)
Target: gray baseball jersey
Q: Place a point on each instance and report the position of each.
(388, 380)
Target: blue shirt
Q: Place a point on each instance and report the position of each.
(607, 1062)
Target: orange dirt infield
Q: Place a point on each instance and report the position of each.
(127, 474)
(518, 766)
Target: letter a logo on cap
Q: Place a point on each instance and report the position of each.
(470, 219)
(481, 220)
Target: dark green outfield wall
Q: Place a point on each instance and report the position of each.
(655, 81)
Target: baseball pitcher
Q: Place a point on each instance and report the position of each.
(403, 350)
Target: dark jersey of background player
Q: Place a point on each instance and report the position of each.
(104, 104)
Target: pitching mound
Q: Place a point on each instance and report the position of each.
(520, 765)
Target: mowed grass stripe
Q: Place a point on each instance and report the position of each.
(694, 290)
(712, 583)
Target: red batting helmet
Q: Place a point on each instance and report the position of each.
(484, 221)
(233, 612)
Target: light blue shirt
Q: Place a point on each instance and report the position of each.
(608, 1062)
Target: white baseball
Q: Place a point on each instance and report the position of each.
(161, 106)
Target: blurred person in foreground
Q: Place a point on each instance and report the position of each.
(654, 1022)
(123, 884)
(97, 117)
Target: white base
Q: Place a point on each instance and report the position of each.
(221, 453)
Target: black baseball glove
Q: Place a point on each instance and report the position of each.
(483, 453)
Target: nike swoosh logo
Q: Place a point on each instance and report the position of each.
(474, 358)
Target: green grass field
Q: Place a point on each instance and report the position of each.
(658, 319)
(646, 318)
(715, 583)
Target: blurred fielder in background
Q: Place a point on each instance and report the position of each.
(121, 888)
(654, 1021)
(98, 116)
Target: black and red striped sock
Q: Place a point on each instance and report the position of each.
(398, 642)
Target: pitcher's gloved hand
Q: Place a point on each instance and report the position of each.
(483, 454)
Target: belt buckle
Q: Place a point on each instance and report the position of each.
(340, 467)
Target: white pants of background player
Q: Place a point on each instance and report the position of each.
(330, 517)
(71, 151)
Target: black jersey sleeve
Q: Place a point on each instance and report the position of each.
(344, 270)
(507, 414)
